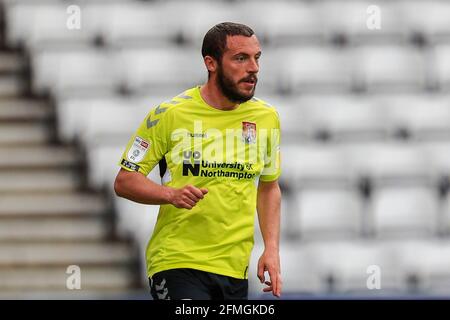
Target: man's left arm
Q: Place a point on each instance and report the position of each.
(268, 207)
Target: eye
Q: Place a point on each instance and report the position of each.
(240, 58)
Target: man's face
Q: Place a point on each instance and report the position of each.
(237, 72)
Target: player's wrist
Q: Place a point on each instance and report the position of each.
(168, 195)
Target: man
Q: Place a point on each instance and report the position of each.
(218, 154)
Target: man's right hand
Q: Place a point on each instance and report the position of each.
(186, 197)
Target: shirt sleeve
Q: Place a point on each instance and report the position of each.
(272, 169)
(149, 143)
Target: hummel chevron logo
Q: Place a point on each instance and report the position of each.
(161, 286)
(163, 295)
(151, 123)
(159, 110)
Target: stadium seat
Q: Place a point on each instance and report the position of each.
(429, 18)
(423, 116)
(315, 69)
(282, 22)
(77, 115)
(203, 15)
(390, 68)
(348, 266)
(161, 70)
(314, 164)
(66, 69)
(388, 162)
(134, 23)
(35, 24)
(428, 261)
(441, 66)
(438, 157)
(326, 213)
(405, 212)
(343, 117)
(349, 19)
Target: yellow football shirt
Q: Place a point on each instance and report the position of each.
(226, 152)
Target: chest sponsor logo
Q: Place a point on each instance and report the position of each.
(248, 132)
(138, 150)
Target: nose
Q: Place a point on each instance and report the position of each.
(253, 66)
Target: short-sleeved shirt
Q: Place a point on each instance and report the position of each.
(226, 152)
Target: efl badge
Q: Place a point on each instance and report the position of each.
(249, 132)
(138, 150)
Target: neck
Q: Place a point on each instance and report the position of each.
(212, 95)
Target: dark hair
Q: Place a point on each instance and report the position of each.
(215, 40)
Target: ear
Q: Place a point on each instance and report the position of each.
(210, 63)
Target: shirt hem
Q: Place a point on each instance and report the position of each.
(197, 267)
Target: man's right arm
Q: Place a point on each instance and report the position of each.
(136, 187)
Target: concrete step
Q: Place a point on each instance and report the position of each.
(52, 229)
(11, 86)
(24, 110)
(42, 254)
(112, 278)
(51, 204)
(11, 62)
(23, 133)
(13, 157)
(46, 180)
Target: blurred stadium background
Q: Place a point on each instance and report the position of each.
(365, 147)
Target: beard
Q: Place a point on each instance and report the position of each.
(231, 90)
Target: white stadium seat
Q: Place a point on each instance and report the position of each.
(441, 66)
(429, 262)
(33, 24)
(350, 18)
(77, 117)
(388, 162)
(141, 22)
(316, 68)
(157, 70)
(66, 69)
(390, 68)
(424, 116)
(345, 117)
(299, 69)
(314, 164)
(203, 15)
(405, 212)
(438, 157)
(350, 265)
(326, 213)
(282, 23)
(428, 17)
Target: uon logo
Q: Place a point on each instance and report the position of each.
(194, 168)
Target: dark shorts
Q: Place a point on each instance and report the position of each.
(178, 284)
